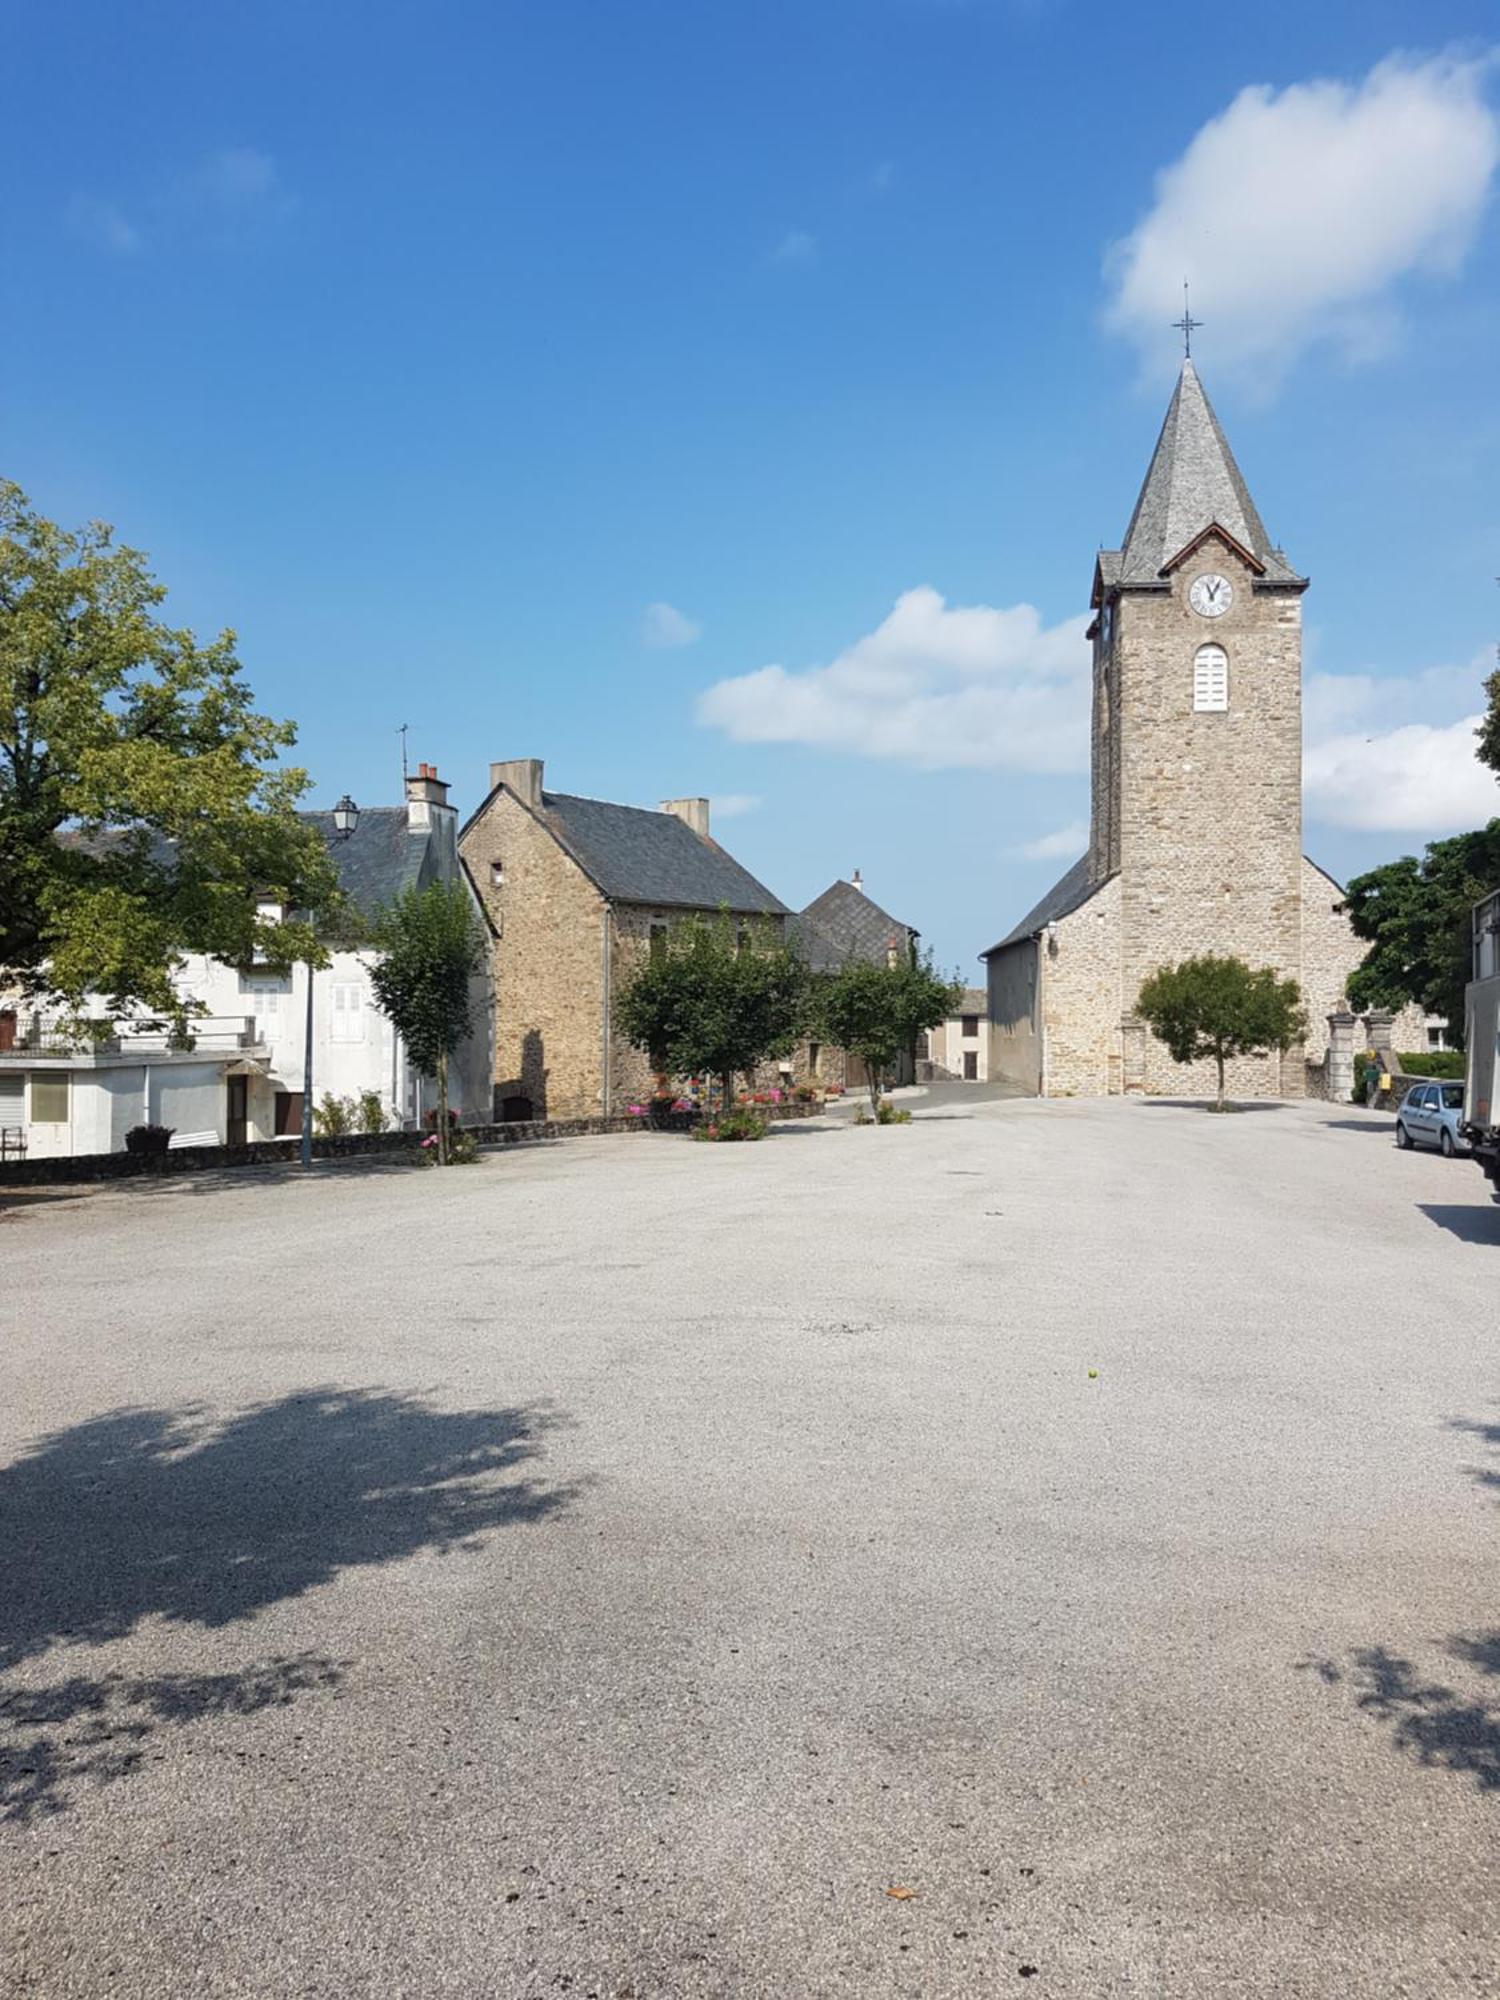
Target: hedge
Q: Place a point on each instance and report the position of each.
(1432, 1062)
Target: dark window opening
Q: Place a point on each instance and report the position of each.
(970, 1026)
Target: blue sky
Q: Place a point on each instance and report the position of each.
(432, 347)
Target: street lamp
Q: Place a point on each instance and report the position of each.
(345, 820)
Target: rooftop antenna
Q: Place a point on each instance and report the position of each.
(401, 732)
(1187, 326)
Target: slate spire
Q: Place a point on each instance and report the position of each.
(1193, 483)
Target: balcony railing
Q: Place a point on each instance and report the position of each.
(29, 1036)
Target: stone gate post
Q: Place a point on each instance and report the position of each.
(1341, 1027)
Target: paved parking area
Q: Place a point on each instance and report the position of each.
(1045, 1546)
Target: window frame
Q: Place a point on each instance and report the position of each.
(1209, 659)
(59, 1078)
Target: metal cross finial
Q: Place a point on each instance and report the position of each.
(1187, 326)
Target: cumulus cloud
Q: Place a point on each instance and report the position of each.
(1375, 762)
(1295, 214)
(796, 247)
(935, 686)
(664, 625)
(734, 805)
(1069, 841)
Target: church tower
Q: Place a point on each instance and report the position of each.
(1197, 724)
(1195, 833)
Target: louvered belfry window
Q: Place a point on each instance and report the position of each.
(1211, 679)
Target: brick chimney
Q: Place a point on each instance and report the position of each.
(692, 812)
(523, 776)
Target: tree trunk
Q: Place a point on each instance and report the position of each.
(873, 1079)
(442, 1083)
(1219, 1059)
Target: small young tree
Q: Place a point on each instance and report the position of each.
(431, 947)
(716, 1000)
(1219, 1007)
(878, 1011)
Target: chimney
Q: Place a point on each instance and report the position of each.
(692, 812)
(523, 776)
(857, 881)
(426, 797)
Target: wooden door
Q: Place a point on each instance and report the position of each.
(236, 1123)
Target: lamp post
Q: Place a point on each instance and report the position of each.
(345, 820)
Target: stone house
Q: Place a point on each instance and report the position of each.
(576, 892)
(1195, 840)
(843, 924)
(238, 1075)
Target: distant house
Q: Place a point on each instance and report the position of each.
(237, 1075)
(577, 892)
(841, 925)
(960, 1047)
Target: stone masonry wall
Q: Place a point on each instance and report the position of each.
(1210, 804)
(548, 959)
(1080, 976)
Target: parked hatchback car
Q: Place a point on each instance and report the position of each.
(1431, 1116)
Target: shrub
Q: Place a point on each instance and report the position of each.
(149, 1138)
(1433, 1062)
(891, 1114)
(1368, 1069)
(807, 1093)
(463, 1149)
(370, 1112)
(334, 1116)
(737, 1124)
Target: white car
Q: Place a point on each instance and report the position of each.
(1431, 1115)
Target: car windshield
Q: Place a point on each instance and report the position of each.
(1453, 1096)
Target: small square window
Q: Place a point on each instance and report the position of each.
(970, 1026)
(497, 874)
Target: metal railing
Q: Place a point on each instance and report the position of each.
(33, 1035)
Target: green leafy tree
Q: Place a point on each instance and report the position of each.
(431, 949)
(717, 1000)
(143, 813)
(1219, 1007)
(877, 1011)
(1489, 726)
(1414, 915)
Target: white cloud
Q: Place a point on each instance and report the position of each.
(1068, 840)
(104, 225)
(932, 686)
(664, 625)
(882, 177)
(1375, 762)
(1294, 213)
(796, 247)
(734, 805)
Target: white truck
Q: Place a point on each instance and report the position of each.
(1481, 1124)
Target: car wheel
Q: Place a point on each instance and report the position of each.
(1446, 1144)
(1403, 1137)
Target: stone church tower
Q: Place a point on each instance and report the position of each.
(1195, 840)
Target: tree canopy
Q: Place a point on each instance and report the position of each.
(1415, 915)
(715, 999)
(431, 948)
(1220, 1007)
(1489, 725)
(143, 812)
(877, 1011)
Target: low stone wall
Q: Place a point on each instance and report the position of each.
(284, 1152)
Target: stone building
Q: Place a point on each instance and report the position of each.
(576, 890)
(843, 924)
(1195, 839)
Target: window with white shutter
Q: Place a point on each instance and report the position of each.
(346, 1017)
(1211, 679)
(12, 1103)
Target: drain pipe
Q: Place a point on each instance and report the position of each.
(605, 913)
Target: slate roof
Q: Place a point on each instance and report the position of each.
(1192, 483)
(383, 855)
(636, 855)
(1061, 900)
(843, 923)
(975, 1001)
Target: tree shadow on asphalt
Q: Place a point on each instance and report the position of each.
(173, 1516)
(1472, 1223)
(1234, 1106)
(1440, 1726)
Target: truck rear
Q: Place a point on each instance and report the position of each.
(1481, 1126)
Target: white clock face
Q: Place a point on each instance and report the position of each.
(1211, 596)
